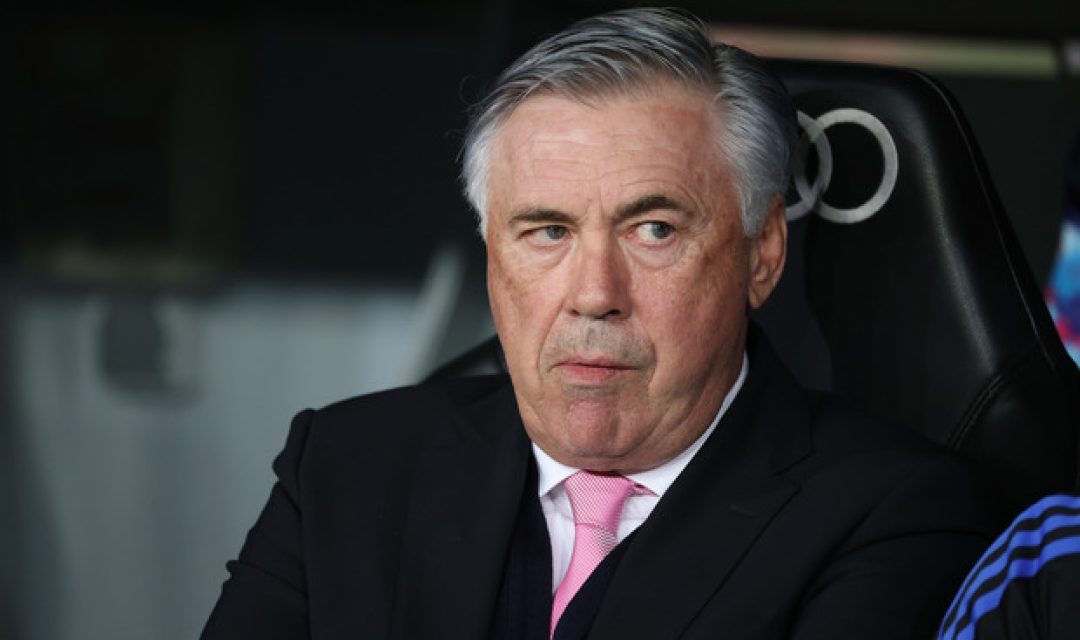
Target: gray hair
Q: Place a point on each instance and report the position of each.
(622, 51)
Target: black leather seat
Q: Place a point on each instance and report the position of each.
(905, 289)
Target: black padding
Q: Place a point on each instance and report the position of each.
(924, 313)
(927, 310)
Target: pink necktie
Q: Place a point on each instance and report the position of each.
(597, 501)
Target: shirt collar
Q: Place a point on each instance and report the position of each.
(551, 473)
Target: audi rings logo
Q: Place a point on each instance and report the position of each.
(810, 195)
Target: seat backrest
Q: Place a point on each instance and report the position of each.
(905, 289)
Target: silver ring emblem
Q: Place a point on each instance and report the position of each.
(810, 196)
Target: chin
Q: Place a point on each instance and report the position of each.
(599, 443)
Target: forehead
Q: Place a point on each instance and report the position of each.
(550, 145)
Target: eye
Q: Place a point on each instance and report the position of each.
(654, 231)
(550, 234)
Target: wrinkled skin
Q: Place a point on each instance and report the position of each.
(619, 273)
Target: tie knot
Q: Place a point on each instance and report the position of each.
(598, 499)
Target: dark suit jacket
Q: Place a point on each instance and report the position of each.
(798, 518)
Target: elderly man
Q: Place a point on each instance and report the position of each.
(649, 469)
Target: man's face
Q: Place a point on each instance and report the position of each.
(619, 273)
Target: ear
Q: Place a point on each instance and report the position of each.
(768, 249)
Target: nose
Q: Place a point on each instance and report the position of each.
(599, 281)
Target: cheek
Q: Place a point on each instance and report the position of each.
(699, 282)
(499, 286)
(523, 305)
(685, 312)
(514, 288)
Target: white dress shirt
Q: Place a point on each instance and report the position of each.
(556, 504)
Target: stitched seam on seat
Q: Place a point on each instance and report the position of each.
(983, 399)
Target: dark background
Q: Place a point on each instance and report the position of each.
(269, 139)
(213, 215)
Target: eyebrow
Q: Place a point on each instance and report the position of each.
(638, 207)
(647, 204)
(540, 215)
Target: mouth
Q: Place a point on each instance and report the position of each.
(591, 371)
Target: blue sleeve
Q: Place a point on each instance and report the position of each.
(1027, 584)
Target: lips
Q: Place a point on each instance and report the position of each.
(591, 371)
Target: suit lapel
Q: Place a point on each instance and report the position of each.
(465, 495)
(714, 512)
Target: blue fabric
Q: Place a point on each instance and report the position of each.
(1029, 531)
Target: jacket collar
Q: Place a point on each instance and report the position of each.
(716, 509)
(469, 482)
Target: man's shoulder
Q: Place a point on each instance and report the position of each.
(870, 465)
(415, 407)
(843, 429)
(832, 428)
(856, 463)
(418, 399)
(391, 427)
